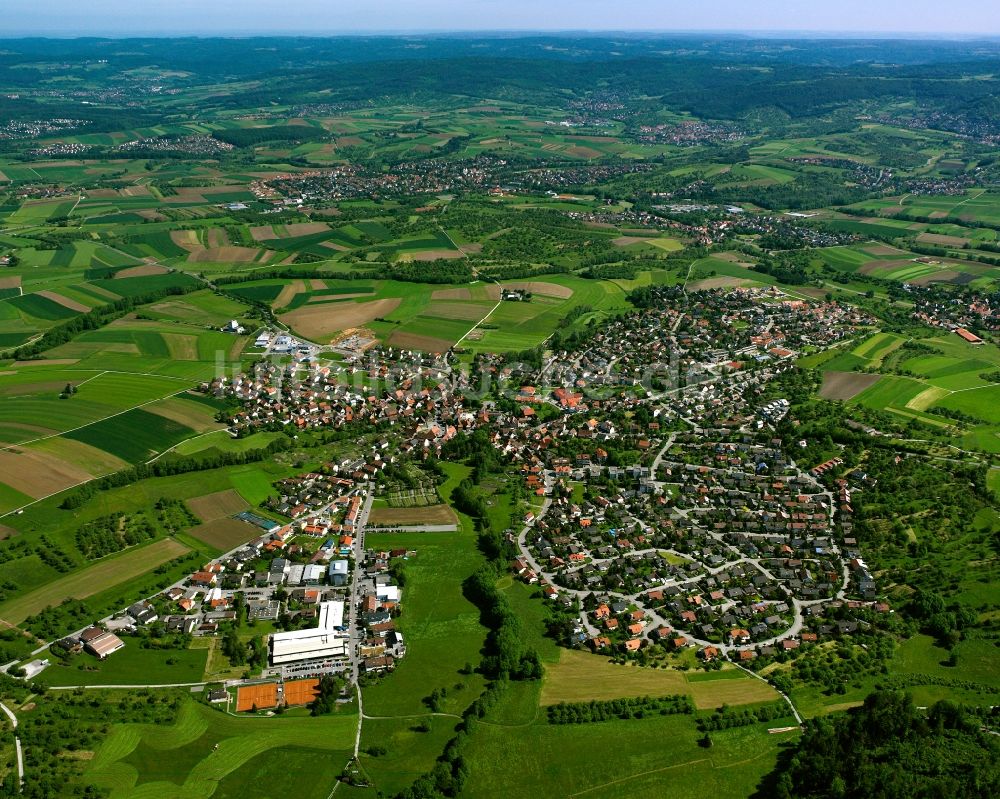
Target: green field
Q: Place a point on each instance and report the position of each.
(441, 627)
(635, 758)
(889, 392)
(134, 436)
(130, 666)
(207, 753)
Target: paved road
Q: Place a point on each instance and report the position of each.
(157, 685)
(658, 620)
(361, 721)
(783, 695)
(355, 639)
(17, 744)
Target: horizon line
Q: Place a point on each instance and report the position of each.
(763, 33)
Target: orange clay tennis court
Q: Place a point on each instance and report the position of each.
(263, 696)
(300, 692)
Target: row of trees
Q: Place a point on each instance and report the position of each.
(636, 708)
(726, 717)
(97, 318)
(506, 656)
(171, 466)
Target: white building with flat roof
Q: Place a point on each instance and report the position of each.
(327, 640)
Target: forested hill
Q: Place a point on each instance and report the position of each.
(889, 748)
(712, 89)
(712, 77)
(245, 56)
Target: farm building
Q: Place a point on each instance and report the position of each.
(327, 640)
(966, 335)
(100, 642)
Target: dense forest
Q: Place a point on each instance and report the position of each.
(890, 749)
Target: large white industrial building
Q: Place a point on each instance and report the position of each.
(328, 640)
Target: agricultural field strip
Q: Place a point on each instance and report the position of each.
(80, 427)
(94, 578)
(103, 418)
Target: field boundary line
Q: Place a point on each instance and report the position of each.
(641, 774)
(88, 424)
(477, 324)
(14, 511)
(119, 372)
(185, 441)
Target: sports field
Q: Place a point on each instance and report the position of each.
(257, 697)
(300, 692)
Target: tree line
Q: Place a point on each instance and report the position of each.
(634, 708)
(166, 468)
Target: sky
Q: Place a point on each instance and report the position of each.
(318, 17)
